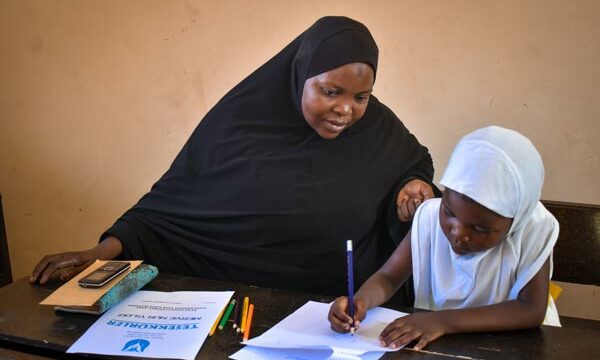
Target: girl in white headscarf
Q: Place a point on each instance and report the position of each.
(481, 256)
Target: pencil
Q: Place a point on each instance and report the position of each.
(248, 322)
(244, 314)
(236, 313)
(350, 283)
(226, 316)
(214, 327)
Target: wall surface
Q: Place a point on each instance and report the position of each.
(98, 96)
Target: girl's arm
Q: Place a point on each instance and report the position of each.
(376, 290)
(382, 285)
(527, 311)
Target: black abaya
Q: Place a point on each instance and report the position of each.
(257, 196)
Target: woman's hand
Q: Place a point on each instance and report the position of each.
(338, 314)
(62, 266)
(412, 194)
(425, 326)
(65, 265)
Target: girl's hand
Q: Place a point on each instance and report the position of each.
(413, 194)
(425, 326)
(338, 314)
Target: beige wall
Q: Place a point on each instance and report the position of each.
(98, 96)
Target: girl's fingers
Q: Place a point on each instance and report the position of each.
(339, 326)
(340, 322)
(338, 316)
(396, 324)
(423, 341)
(399, 338)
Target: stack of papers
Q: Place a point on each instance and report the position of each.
(306, 335)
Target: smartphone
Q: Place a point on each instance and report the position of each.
(104, 274)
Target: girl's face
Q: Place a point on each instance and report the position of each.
(336, 99)
(470, 227)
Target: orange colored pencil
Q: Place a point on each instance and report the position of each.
(248, 322)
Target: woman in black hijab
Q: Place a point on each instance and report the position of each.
(293, 161)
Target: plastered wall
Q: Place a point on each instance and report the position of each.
(98, 96)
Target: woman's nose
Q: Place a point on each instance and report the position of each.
(343, 108)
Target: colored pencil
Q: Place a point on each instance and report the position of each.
(244, 314)
(214, 327)
(248, 322)
(236, 313)
(350, 283)
(227, 314)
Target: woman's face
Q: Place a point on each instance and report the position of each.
(469, 226)
(336, 99)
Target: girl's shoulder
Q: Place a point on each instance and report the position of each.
(428, 211)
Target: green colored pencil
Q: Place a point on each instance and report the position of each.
(226, 316)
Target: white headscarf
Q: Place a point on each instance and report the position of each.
(501, 170)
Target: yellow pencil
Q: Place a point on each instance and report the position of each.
(244, 314)
(214, 327)
(248, 322)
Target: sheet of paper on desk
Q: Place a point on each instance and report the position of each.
(308, 329)
(155, 324)
(261, 353)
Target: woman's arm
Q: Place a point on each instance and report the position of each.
(527, 311)
(64, 266)
(376, 290)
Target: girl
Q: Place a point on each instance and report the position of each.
(481, 256)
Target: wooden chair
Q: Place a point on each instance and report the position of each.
(576, 258)
(577, 251)
(5, 272)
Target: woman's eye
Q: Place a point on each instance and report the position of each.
(329, 92)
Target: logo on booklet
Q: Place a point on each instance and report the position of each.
(136, 345)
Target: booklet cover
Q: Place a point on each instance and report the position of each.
(155, 324)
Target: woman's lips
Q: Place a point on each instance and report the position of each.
(335, 126)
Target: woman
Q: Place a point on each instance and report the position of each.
(293, 161)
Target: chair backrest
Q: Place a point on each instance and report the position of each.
(577, 252)
(5, 272)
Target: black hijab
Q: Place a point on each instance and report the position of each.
(257, 196)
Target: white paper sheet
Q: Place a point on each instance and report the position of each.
(308, 329)
(155, 324)
(261, 353)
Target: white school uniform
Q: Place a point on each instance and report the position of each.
(501, 170)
